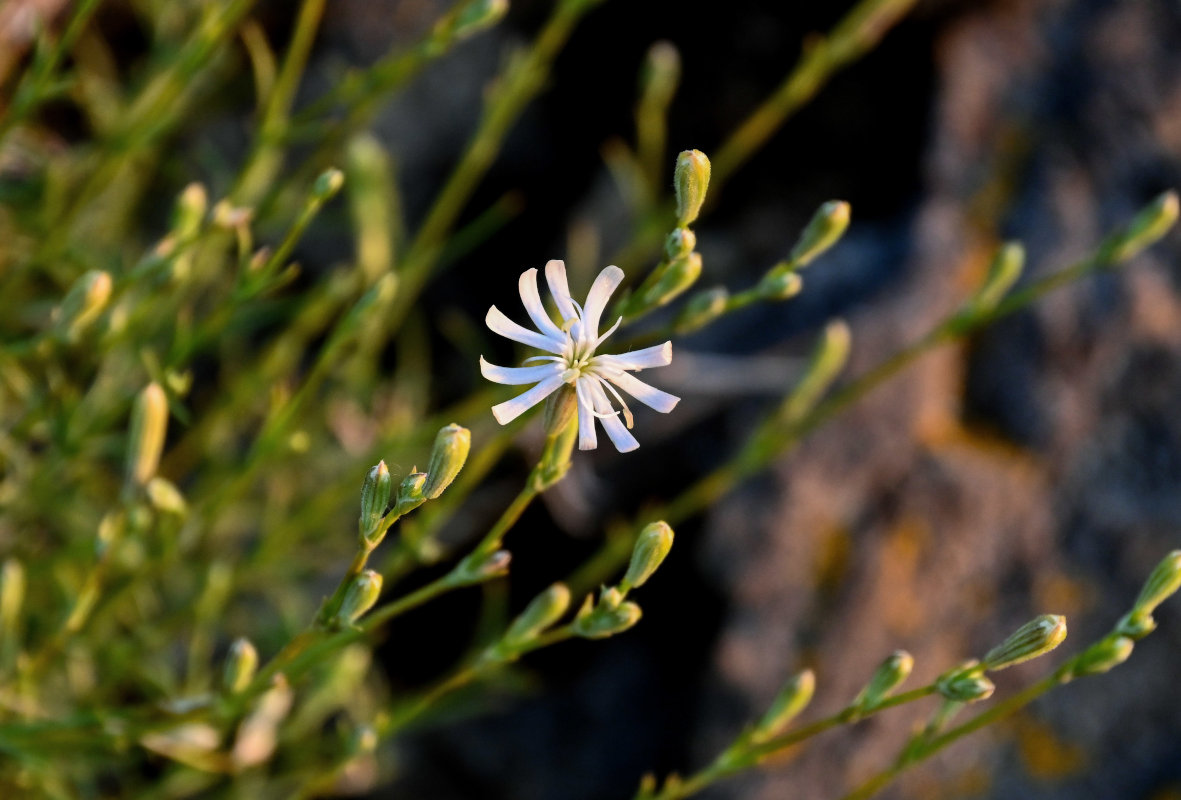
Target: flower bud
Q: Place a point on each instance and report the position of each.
(479, 567)
(661, 72)
(410, 492)
(227, 215)
(965, 683)
(541, 613)
(681, 242)
(165, 497)
(479, 15)
(12, 593)
(780, 285)
(327, 184)
(375, 496)
(149, 423)
(1108, 652)
(1146, 228)
(452, 444)
(606, 621)
(241, 664)
(888, 677)
(362, 593)
(190, 210)
(1164, 581)
(702, 309)
(675, 279)
(651, 548)
(1135, 626)
(559, 410)
(690, 180)
(1035, 638)
(787, 705)
(83, 304)
(1003, 272)
(827, 225)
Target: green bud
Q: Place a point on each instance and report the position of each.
(1003, 272)
(651, 548)
(362, 593)
(191, 206)
(606, 620)
(375, 496)
(541, 613)
(702, 309)
(149, 424)
(452, 444)
(1146, 228)
(12, 593)
(661, 72)
(327, 185)
(227, 215)
(828, 359)
(792, 699)
(83, 304)
(690, 180)
(780, 285)
(827, 226)
(479, 567)
(965, 683)
(888, 677)
(410, 492)
(1135, 626)
(681, 242)
(1164, 581)
(560, 408)
(165, 497)
(1108, 652)
(479, 15)
(675, 279)
(241, 664)
(1035, 638)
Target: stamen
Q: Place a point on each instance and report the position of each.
(627, 412)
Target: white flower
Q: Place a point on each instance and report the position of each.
(573, 345)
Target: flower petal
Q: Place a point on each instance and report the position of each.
(555, 276)
(587, 439)
(532, 300)
(509, 410)
(596, 301)
(517, 376)
(617, 432)
(648, 395)
(499, 323)
(659, 355)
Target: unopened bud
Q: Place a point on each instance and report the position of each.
(681, 242)
(479, 567)
(606, 620)
(1162, 583)
(241, 664)
(191, 206)
(83, 304)
(560, 408)
(1108, 652)
(375, 496)
(452, 444)
(12, 593)
(780, 285)
(1035, 638)
(1003, 272)
(1147, 227)
(888, 677)
(149, 424)
(227, 215)
(165, 497)
(827, 226)
(676, 278)
(651, 548)
(328, 184)
(792, 699)
(479, 15)
(541, 613)
(661, 72)
(362, 593)
(965, 683)
(410, 492)
(702, 309)
(691, 181)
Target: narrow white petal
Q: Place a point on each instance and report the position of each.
(660, 355)
(648, 395)
(509, 410)
(617, 432)
(596, 301)
(517, 376)
(532, 300)
(555, 276)
(587, 439)
(501, 324)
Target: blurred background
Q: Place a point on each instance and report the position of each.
(1034, 469)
